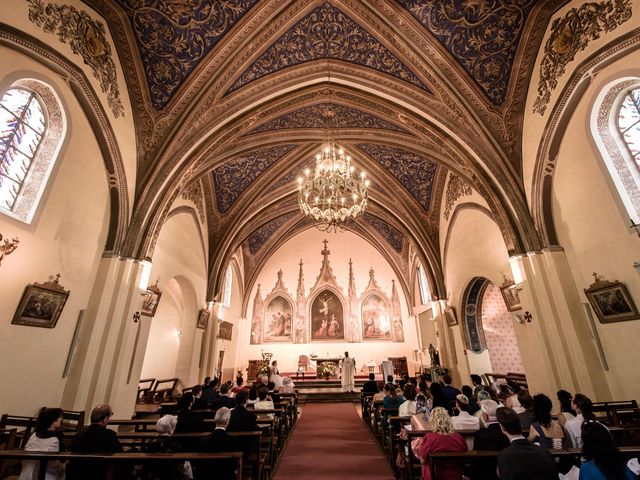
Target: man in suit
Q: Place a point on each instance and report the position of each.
(490, 437)
(370, 386)
(189, 422)
(449, 393)
(522, 460)
(218, 442)
(223, 400)
(209, 392)
(96, 438)
(242, 420)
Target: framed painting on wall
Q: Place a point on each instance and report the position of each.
(450, 315)
(327, 317)
(376, 321)
(151, 300)
(41, 304)
(226, 331)
(511, 296)
(277, 321)
(203, 318)
(611, 301)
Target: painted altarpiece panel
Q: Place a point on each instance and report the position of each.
(278, 315)
(376, 324)
(327, 317)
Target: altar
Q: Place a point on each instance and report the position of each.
(331, 364)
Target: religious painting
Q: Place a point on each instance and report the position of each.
(41, 305)
(203, 318)
(327, 317)
(376, 322)
(450, 316)
(225, 331)
(511, 297)
(611, 301)
(151, 300)
(277, 321)
(256, 338)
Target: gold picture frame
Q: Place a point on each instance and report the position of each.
(611, 301)
(41, 304)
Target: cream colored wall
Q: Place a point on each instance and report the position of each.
(179, 265)
(18, 17)
(593, 229)
(66, 237)
(308, 245)
(233, 349)
(590, 221)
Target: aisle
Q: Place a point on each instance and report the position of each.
(330, 441)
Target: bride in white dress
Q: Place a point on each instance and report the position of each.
(274, 375)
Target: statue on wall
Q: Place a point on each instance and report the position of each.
(435, 356)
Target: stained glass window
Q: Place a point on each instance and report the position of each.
(228, 279)
(629, 123)
(425, 293)
(22, 126)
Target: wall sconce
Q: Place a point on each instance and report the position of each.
(516, 269)
(145, 275)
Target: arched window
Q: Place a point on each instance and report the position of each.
(31, 130)
(629, 123)
(615, 123)
(425, 292)
(228, 280)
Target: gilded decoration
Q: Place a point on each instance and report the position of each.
(263, 233)
(327, 33)
(414, 172)
(456, 188)
(389, 233)
(194, 194)
(234, 177)
(87, 38)
(314, 117)
(483, 36)
(571, 34)
(287, 179)
(173, 36)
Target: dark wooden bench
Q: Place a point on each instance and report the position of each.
(24, 426)
(163, 390)
(145, 386)
(617, 413)
(118, 458)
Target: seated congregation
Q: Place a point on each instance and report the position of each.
(211, 431)
(436, 431)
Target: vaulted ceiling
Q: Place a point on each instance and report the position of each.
(234, 94)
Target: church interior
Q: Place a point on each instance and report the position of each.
(156, 159)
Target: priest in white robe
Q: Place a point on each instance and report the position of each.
(348, 373)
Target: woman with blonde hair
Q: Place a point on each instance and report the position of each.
(442, 439)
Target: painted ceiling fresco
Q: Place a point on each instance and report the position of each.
(325, 114)
(234, 177)
(173, 36)
(414, 172)
(327, 33)
(388, 232)
(261, 234)
(482, 36)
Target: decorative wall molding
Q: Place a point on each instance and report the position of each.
(260, 236)
(456, 188)
(87, 38)
(571, 34)
(195, 195)
(388, 232)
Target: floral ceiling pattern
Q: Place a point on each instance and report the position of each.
(234, 177)
(414, 172)
(389, 233)
(324, 114)
(482, 36)
(327, 33)
(261, 234)
(173, 36)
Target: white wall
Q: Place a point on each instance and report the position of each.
(66, 237)
(307, 246)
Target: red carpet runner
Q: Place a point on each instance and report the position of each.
(331, 442)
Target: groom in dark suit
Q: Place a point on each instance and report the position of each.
(522, 460)
(218, 442)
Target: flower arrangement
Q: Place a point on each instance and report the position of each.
(326, 369)
(264, 368)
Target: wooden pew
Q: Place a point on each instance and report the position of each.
(145, 386)
(163, 389)
(24, 427)
(8, 441)
(617, 413)
(114, 459)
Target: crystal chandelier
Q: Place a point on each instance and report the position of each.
(333, 193)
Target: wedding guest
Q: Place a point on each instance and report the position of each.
(47, 438)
